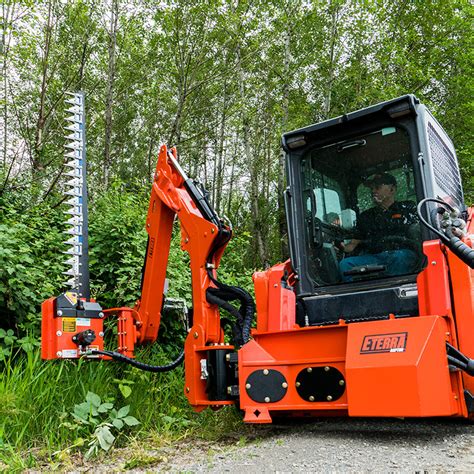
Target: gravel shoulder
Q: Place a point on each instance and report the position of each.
(323, 445)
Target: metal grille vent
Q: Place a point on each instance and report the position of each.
(445, 167)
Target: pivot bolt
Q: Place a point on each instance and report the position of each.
(59, 312)
(187, 389)
(101, 314)
(59, 354)
(311, 398)
(267, 399)
(265, 371)
(59, 333)
(227, 357)
(195, 335)
(101, 334)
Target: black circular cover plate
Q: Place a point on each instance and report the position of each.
(266, 386)
(320, 384)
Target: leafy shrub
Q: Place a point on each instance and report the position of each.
(30, 266)
(103, 419)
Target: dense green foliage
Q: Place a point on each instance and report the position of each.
(221, 79)
(41, 406)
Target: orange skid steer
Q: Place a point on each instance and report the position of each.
(372, 315)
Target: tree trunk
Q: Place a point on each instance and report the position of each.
(251, 162)
(332, 47)
(220, 153)
(109, 100)
(40, 123)
(8, 12)
(232, 177)
(282, 229)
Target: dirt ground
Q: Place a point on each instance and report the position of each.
(335, 445)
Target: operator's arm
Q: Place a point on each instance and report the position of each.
(360, 232)
(351, 246)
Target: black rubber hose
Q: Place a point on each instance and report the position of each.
(140, 365)
(461, 250)
(457, 363)
(215, 297)
(452, 351)
(456, 245)
(247, 303)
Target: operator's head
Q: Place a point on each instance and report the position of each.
(333, 218)
(383, 187)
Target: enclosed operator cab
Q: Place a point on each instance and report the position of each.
(353, 186)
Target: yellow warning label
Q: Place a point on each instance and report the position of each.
(69, 324)
(72, 297)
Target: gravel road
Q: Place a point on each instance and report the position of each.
(342, 445)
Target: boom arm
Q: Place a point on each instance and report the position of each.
(170, 197)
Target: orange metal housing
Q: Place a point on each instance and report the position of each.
(57, 333)
(392, 367)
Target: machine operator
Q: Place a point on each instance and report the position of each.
(385, 234)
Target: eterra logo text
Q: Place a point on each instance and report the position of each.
(376, 343)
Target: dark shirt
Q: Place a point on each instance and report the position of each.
(378, 228)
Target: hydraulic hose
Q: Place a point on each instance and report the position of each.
(456, 245)
(140, 365)
(216, 296)
(460, 360)
(236, 293)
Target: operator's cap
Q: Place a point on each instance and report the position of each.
(382, 178)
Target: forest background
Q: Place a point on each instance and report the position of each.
(221, 80)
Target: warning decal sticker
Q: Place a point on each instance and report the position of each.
(377, 343)
(83, 322)
(69, 353)
(71, 297)
(69, 324)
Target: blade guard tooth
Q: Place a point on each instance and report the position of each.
(73, 165)
(74, 173)
(74, 201)
(71, 273)
(72, 261)
(73, 155)
(76, 220)
(72, 212)
(74, 127)
(75, 182)
(72, 252)
(72, 283)
(75, 109)
(72, 193)
(72, 232)
(74, 240)
(76, 100)
(73, 146)
(77, 136)
(75, 118)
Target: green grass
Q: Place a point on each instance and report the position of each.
(37, 398)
